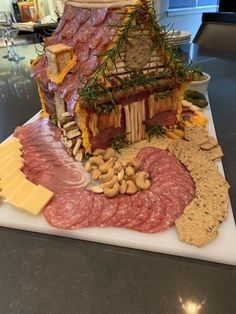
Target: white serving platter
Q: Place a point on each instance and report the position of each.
(221, 250)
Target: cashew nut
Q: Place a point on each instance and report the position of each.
(117, 167)
(113, 191)
(131, 187)
(109, 164)
(131, 162)
(142, 181)
(133, 177)
(99, 151)
(129, 171)
(96, 189)
(96, 174)
(88, 166)
(123, 187)
(120, 175)
(108, 176)
(110, 152)
(97, 161)
(110, 183)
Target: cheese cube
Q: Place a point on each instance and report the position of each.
(12, 186)
(9, 178)
(20, 193)
(58, 55)
(37, 200)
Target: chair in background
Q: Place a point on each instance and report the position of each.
(217, 31)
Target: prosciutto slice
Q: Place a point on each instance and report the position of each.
(45, 160)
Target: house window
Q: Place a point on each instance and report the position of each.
(180, 4)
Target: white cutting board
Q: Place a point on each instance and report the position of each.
(221, 250)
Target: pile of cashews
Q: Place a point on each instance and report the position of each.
(114, 176)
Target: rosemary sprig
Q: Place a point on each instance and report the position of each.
(163, 95)
(119, 142)
(104, 108)
(155, 130)
(141, 18)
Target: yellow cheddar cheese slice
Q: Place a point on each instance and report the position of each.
(20, 193)
(36, 200)
(11, 156)
(58, 79)
(11, 142)
(4, 182)
(10, 165)
(12, 186)
(12, 147)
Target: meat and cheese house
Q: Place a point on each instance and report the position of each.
(107, 71)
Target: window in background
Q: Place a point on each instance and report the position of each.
(179, 4)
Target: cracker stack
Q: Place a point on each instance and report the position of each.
(199, 223)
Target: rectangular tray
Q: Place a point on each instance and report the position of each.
(221, 250)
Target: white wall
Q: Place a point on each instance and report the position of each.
(189, 21)
(5, 5)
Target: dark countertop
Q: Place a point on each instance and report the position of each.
(41, 274)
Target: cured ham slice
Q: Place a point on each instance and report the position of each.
(45, 160)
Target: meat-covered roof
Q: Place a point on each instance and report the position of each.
(89, 32)
(109, 43)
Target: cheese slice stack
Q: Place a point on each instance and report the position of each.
(15, 189)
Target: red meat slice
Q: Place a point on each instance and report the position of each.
(143, 208)
(167, 118)
(98, 15)
(45, 160)
(69, 209)
(158, 212)
(109, 208)
(124, 212)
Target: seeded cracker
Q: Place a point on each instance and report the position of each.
(197, 230)
(196, 134)
(214, 153)
(209, 144)
(201, 219)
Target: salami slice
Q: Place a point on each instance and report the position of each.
(144, 211)
(158, 213)
(64, 211)
(98, 15)
(124, 213)
(109, 208)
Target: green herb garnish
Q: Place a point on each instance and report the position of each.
(155, 130)
(119, 142)
(140, 19)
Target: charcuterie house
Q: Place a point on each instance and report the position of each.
(109, 67)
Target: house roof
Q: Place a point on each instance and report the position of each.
(91, 32)
(88, 32)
